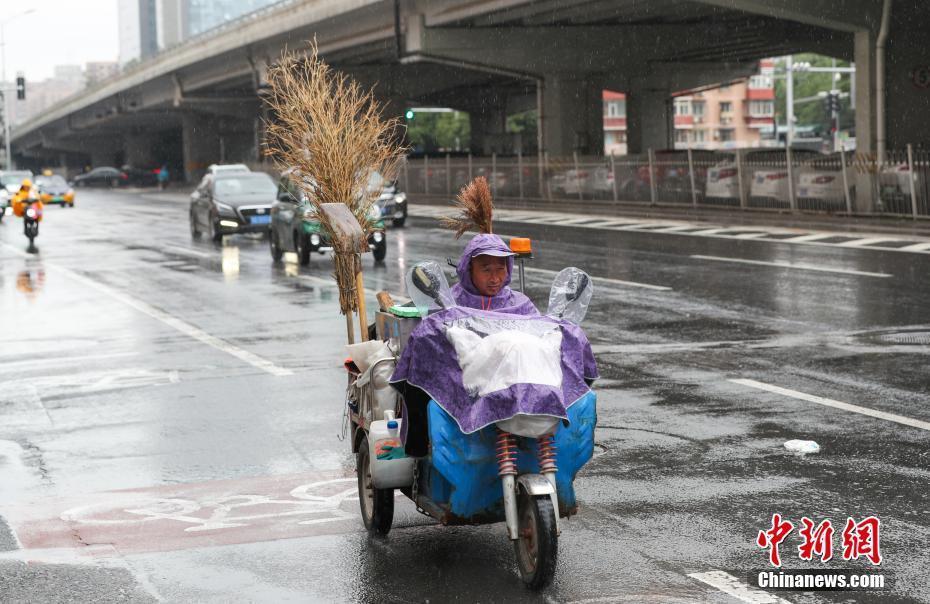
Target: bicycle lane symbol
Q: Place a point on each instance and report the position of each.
(231, 511)
(192, 515)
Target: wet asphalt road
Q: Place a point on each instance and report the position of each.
(170, 412)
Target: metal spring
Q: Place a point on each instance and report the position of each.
(506, 454)
(546, 454)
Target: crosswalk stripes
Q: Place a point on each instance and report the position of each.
(775, 234)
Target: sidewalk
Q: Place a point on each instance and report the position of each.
(711, 216)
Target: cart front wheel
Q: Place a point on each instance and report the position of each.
(537, 547)
(377, 505)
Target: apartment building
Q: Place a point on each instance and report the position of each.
(736, 114)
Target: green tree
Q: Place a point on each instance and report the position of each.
(432, 132)
(811, 84)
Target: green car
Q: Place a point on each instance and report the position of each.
(294, 227)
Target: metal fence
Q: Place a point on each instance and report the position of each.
(754, 179)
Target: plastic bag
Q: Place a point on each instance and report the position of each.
(497, 354)
(570, 295)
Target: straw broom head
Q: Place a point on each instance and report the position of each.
(476, 209)
(331, 134)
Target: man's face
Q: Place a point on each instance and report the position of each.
(488, 274)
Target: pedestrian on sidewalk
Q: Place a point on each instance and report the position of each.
(163, 177)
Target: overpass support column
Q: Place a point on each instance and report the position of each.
(648, 120)
(488, 131)
(865, 115)
(200, 144)
(572, 115)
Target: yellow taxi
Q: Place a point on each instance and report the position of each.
(54, 189)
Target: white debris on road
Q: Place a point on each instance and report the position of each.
(802, 447)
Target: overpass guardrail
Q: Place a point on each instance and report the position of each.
(752, 179)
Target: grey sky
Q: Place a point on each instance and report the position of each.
(59, 32)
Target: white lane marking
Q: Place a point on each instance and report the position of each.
(576, 220)
(891, 417)
(662, 288)
(171, 321)
(676, 228)
(803, 267)
(917, 247)
(644, 226)
(730, 585)
(809, 237)
(750, 235)
(865, 241)
(709, 232)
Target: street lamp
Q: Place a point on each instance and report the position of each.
(6, 92)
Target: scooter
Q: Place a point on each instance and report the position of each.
(484, 477)
(32, 216)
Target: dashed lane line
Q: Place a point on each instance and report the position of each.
(170, 320)
(891, 417)
(917, 247)
(732, 586)
(543, 271)
(808, 237)
(863, 242)
(803, 267)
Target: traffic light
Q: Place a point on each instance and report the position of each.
(831, 103)
(20, 87)
(409, 114)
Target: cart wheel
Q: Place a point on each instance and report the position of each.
(377, 505)
(537, 548)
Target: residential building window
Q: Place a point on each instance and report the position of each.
(699, 136)
(682, 108)
(761, 108)
(615, 108)
(621, 136)
(697, 108)
(681, 136)
(725, 135)
(760, 81)
(726, 107)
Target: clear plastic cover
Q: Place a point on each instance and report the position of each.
(428, 288)
(496, 354)
(570, 295)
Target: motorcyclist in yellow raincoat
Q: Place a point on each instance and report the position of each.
(25, 193)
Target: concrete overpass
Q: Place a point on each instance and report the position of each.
(491, 58)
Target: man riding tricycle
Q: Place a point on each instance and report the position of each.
(475, 406)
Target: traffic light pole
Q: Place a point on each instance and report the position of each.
(6, 100)
(6, 96)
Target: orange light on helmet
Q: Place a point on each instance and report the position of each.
(521, 246)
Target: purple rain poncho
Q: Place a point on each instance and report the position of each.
(431, 362)
(506, 300)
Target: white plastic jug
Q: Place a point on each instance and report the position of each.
(390, 466)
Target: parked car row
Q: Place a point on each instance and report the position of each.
(232, 199)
